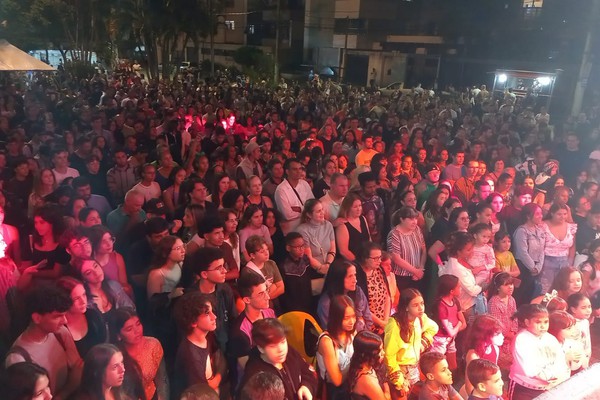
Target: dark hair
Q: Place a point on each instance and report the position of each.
(188, 308)
(162, 251)
(85, 212)
(230, 197)
(554, 208)
(431, 205)
(80, 181)
(209, 224)
(529, 311)
(334, 280)
(215, 188)
(155, 225)
(247, 282)
(264, 386)
(337, 311)
(429, 360)
(94, 369)
(481, 370)
(481, 331)
(593, 246)
(254, 243)
(574, 300)
(454, 217)
(446, 283)
(47, 298)
(366, 248)
(560, 320)
(290, 237)
(367, 347)
(133, 372)
(19, 380)
(200, 391)
(528, 211)
(457, 241)
(248, 214)
(499, 236)
(481, 207)
(448, 204)
(401, 315)
(403, 213)
(267, 331)
(201, 259)
(365, 177)
(52, 215)
(499, 279)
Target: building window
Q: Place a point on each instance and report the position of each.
(230, 25)
(533, 3)
(250, 30)
(349, 25)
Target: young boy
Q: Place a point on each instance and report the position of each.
(438, 378)
(296, 271)
(260, 264)
(486, 379)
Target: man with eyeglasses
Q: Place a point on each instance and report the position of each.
(297, 273)
(291, 194)
(371, 278)
(207, 268)
(77, 244)
(254, 294)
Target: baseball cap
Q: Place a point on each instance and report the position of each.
(156, 207)
(431, 167)
(250, 147)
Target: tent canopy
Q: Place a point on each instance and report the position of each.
(13, 59)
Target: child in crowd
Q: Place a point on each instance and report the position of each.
(503, 305)
(449, 317)
(438, 378)
(260, 264)
(483, 260)
(483, 341)
(505, 261)
(386, 264)
(487, 380)
(460, 248)
(407, 335)
(539, 360)
(563, 327)
(580, 307)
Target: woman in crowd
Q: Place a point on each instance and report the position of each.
(252, 224)
(354, 231)
(496, 201)
(192, 215)
(334, 348)
(433, 208)
(318, 235)
(559, 249)
(44, 183)
(46, 253)
(341, 280)
(145, 371)
(458, 220)
(235, 200)
(220, 187)
(103, 294)
(164, 173)
(590, 270)
(165, 272)
(74, 205)
(172, 196)
(529, 243)
(232, 238)
(406, 244)
(271, 220)
(25, 381)
(85, 324)
(111, 262)
(89, 217)
(255, 196)
(103, 374)
(366, 374)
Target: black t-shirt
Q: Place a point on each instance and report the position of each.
(585, 235)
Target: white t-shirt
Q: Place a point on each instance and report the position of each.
(71, 173)
(149, 192)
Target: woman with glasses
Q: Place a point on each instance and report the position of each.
(111, 262)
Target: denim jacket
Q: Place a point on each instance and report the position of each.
(528, 245)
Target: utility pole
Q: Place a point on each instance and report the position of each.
(586, 60)
(212, 38)
(345, 55)
(276, 55)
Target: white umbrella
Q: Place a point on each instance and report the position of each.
(13, 59)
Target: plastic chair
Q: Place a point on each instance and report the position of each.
(302, 334)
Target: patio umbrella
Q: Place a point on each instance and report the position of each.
(13, 59)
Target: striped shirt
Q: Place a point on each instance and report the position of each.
(409, 246)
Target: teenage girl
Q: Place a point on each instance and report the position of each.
(539, 360)
(407, 335)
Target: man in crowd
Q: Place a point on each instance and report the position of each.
(428, 184)
(291, 194)
(333, 198)
(121, 177)
(464, 188)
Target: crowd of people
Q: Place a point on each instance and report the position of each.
(205, 240)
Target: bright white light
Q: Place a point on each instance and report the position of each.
(544, 80)
(502, 78)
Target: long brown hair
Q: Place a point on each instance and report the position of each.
(401, 315)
